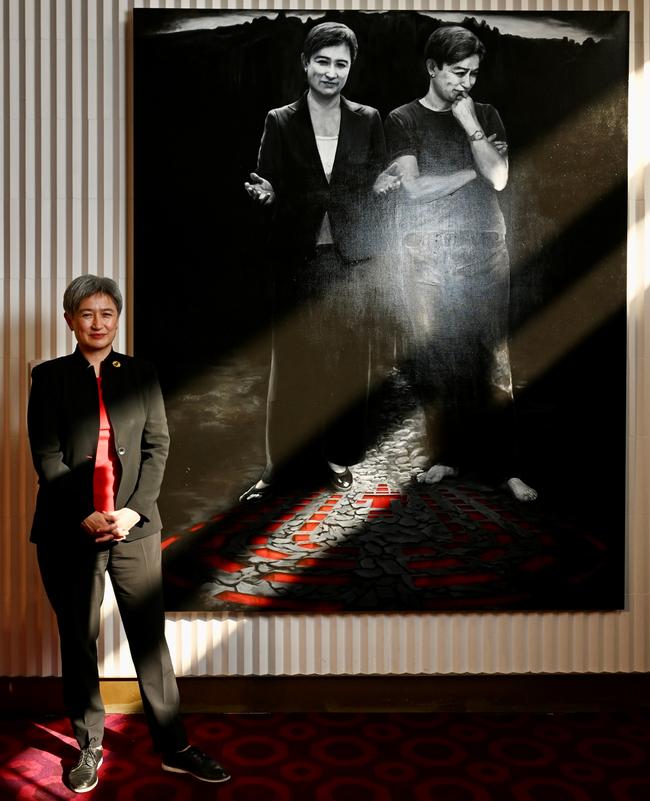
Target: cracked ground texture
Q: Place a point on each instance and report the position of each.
(388, 544)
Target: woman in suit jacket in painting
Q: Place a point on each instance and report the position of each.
(317, 171)
(98, 434)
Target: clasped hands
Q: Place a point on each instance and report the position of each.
(110, 526)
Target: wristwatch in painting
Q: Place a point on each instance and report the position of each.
(477, 135)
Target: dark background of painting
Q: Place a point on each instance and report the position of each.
(200, 102)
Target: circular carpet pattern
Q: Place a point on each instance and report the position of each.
(350, 757)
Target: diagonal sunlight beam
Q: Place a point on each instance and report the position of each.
(549, 324)
(566, 211)
(190, 639)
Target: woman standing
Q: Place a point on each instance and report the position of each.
(99, 441)
(317, 172)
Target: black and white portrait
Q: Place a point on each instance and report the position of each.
(395, 369)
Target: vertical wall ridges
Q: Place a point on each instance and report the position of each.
(64, 80)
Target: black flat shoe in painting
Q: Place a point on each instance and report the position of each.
(340, 482)
(256, 494)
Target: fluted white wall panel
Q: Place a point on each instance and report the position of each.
(65, 210)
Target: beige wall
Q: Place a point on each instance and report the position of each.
(65, 210)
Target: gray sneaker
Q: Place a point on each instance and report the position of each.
(197, 764)
(83, 777)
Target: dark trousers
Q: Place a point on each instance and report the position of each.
(74, 577)
(318, 386)
(458, 295)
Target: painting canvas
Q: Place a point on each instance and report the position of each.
(209, 311)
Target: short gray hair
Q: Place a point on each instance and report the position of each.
(86, 285)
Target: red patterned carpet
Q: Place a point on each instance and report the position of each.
(355, 757)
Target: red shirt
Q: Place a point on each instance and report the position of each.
(106, 461)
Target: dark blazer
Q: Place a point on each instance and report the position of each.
(289, 159)
(63, 424)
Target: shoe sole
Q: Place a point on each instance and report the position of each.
(200, 778)
(92, 786)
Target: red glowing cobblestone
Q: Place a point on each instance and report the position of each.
(296, 578)
(467, 541)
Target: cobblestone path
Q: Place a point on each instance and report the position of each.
(390, 543)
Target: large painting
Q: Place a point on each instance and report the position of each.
(353, 379)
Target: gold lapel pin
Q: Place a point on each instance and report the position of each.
(116, 363)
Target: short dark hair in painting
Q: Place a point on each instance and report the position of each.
(450, 44)
(329, 34)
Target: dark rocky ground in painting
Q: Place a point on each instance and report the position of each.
(389, 544)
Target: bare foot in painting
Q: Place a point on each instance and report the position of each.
(522, 492)
(435, 474)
